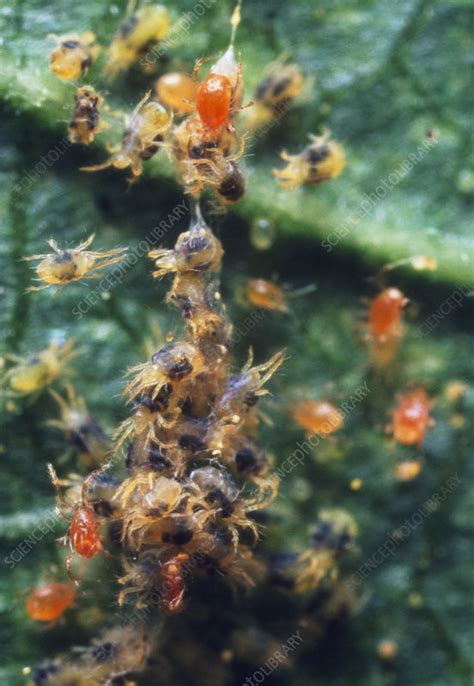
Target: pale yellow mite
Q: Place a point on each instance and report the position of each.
(275, 94)
(143, 137)
(72, 264)
(31, 374)
(73, 55)
(135, 39)
(322, 160)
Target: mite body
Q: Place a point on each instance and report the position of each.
(83, 533)
(85, 122)
(84, 434)
(178, 92)
(219, 95)
(34, 373)
(48, 602)
(73, 55)
(322, 160)
(172, 601)
(266, 294)
(137, 35)
(411, 418)
(208, 159)
(318, 417)
(142, 138)
(275, 94)
(384, 326)
(64, 266)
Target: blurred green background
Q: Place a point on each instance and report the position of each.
(385, 73)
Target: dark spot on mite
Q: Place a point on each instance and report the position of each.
(126, 27)
(181, 507)
(158, 461)
(246, 460)
(104, 652)
(180, 369)
(103, 508)
(280, 87)
(64, 258)
(251, 399)
(226, 507)
(182, 537)
(163, 397)
(70, 44)
(233, 185)
(42, 674)
(187, 406)
(322, 535)
(264, 86)
(315, 155)
(192, 443)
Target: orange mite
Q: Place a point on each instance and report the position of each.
(265, 294)
(213, 102)
(411, 419)
(47, 603)
(318, 417)
(178, 92)
(83, 531)
(385, 314)
(174, 588)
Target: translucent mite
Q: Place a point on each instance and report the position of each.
(82, 431)
(266, 295)
(411, 418)
(177, 91)
(48, 602)
(137, 35)
(68, 265)
(142, 138)
(318, 417)
(85, 122)
(322, 160)
(31, 374)
(332, 537)
(275, 94)
(73, 55)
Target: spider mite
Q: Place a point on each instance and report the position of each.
(410, 420)
(83, 533)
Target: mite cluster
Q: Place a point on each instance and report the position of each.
(190, 440)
